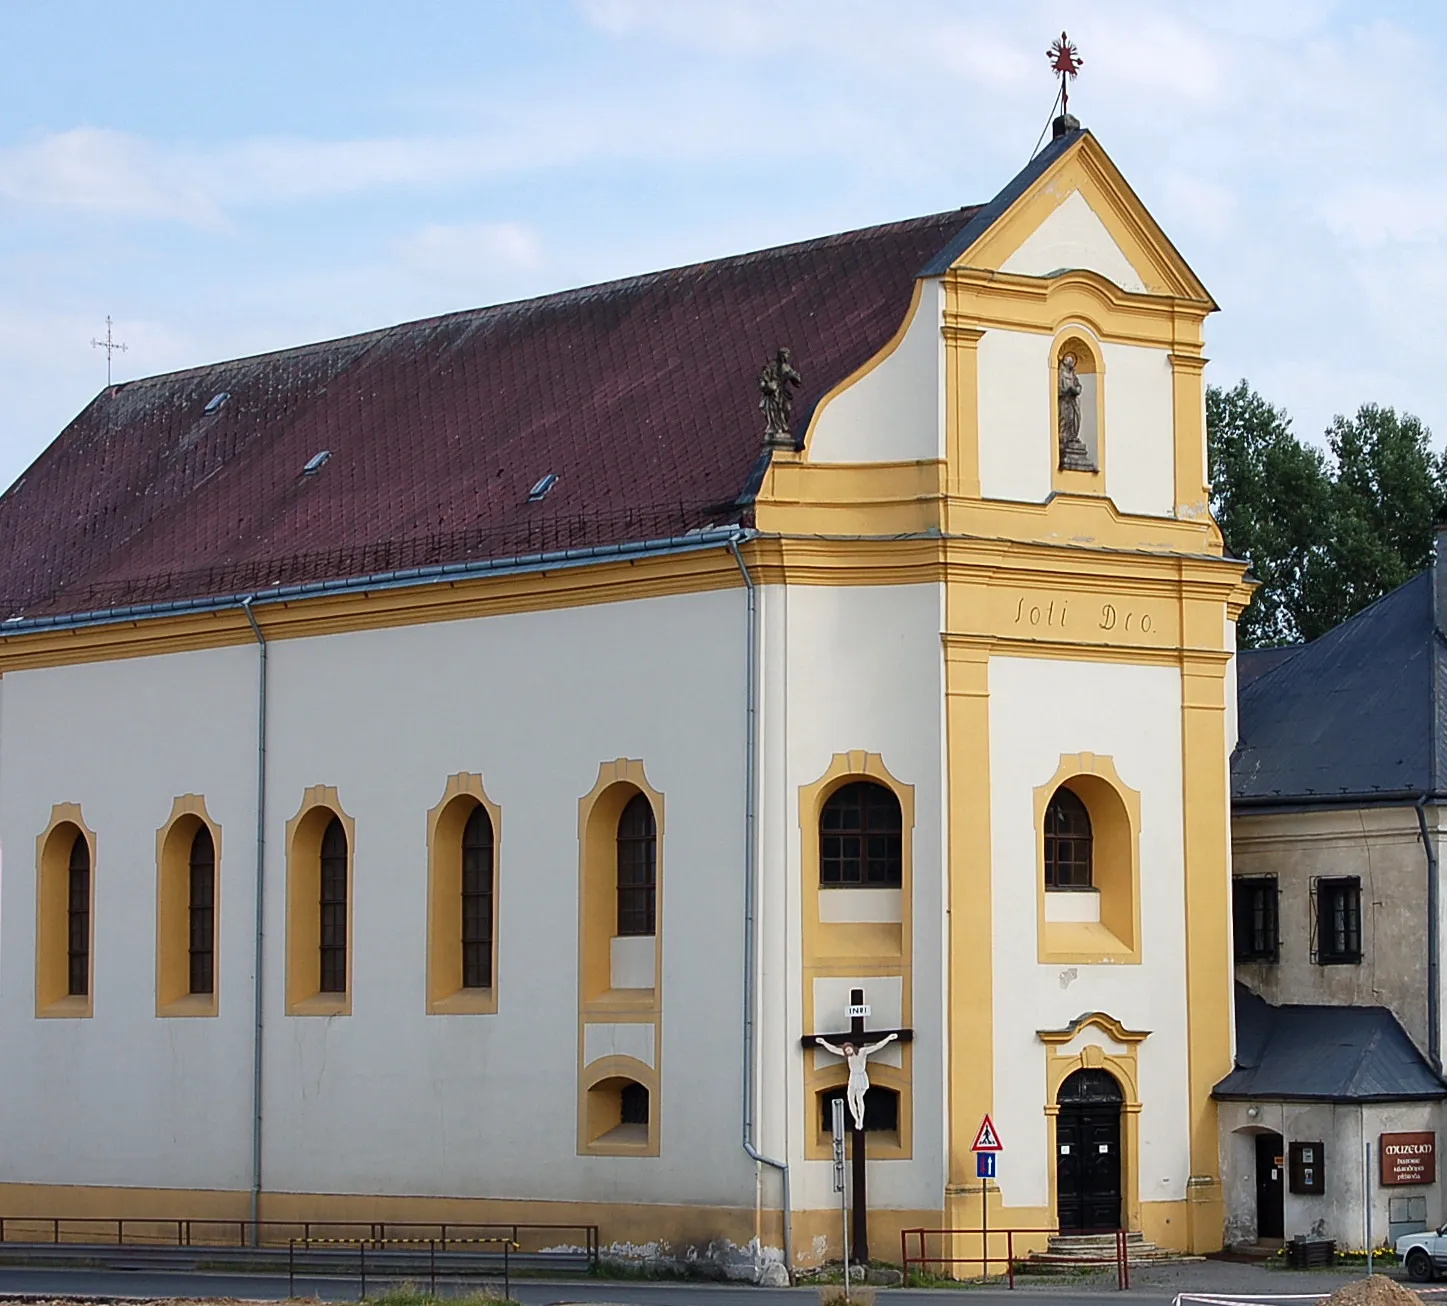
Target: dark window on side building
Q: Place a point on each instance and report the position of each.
(1337, 921)
(1256, 923)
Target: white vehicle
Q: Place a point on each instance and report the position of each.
(1424, 1254)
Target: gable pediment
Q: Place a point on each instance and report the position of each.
(1080, 213)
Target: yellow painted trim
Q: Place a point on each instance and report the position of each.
(1209, 999)
(1188, 404)
(860, 373)
(970, 1074)
(1069, 537)
(962, 408)
(52, 915)
(173, 902)
(597, 1102)
(1124, 1068)
(446, 996)
(1082, 342)
(598, 1002)
(1085, 167)
(1101, 1020)
(1115, 819)
(835, 950)
(303, 904)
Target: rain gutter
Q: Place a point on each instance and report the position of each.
(259, 959)
(751, 748)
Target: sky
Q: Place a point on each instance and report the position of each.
(225, 179)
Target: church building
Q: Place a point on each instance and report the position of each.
(454, 772)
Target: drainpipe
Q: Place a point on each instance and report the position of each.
(1434, 1039)
(260, 923)
(751, 747)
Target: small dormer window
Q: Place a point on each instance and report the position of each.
(316, 462)
(542, 487)
(214, 404)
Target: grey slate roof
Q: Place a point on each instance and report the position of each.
(1324, 1054)
(1353, 716)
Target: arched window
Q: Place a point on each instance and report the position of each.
(881, 1110)
(202, 913)
(861, 838)
(78, 918)
(637, 862)
(1068, 842)
(477, 900)
(334, 908)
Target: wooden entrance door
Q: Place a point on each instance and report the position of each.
(1087, 1161)
(1270, 1167)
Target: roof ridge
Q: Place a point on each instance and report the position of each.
(555, 297)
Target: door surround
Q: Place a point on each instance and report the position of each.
(1097, 1041)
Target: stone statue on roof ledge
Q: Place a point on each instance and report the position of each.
(776, 400)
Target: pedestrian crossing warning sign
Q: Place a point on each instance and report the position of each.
(987, 1140)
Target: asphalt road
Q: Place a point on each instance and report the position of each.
(1155, 1284)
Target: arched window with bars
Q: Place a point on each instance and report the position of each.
(861, 838)
(477, 889)
(333, 907)
(1069, 842)
(637, 868)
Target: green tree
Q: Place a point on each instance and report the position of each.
(1325, 537)
(1271, 496)
(1386, 492)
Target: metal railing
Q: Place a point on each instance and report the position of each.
(399, 1264)
(922, 1256)
(533, 1240)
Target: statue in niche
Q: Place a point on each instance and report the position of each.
(775, 400)
(1074, 456)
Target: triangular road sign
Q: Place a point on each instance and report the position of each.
(987, 1140)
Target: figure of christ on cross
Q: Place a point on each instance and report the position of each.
(856, 1053)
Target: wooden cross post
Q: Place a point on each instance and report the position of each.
(857, 1037)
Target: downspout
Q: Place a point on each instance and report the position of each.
(1434, 1038)
(751, 746)
(260, 923)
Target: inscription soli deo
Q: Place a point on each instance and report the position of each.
(1085, 617)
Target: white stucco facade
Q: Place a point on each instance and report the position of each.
(1073, 236)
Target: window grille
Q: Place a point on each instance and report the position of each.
(633, 1100)
(202, 922)
(1336, 921)
(1255, 918)
(637, 868)
(78, 918)
(1068, 842)
(861, 838)
(477, 871)
(334, 909)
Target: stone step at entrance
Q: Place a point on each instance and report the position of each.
(1068, 1251)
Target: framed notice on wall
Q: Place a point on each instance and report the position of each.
(1408, 1158)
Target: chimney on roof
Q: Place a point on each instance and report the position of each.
(1064, 125)
(1439, 570)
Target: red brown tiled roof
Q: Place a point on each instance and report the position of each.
(641, 395)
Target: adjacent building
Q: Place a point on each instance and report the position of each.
(1337, 786)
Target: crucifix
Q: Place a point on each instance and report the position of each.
(856, 1053)
(110, 345)
(1064, 59)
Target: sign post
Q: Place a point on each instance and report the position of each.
(986, 1147)
(837, 1122)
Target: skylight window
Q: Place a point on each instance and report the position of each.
(213, 405)
(542, 487)
(316, 462)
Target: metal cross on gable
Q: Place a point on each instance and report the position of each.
(110, 345)
(1064, 59)
(855, 1047)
